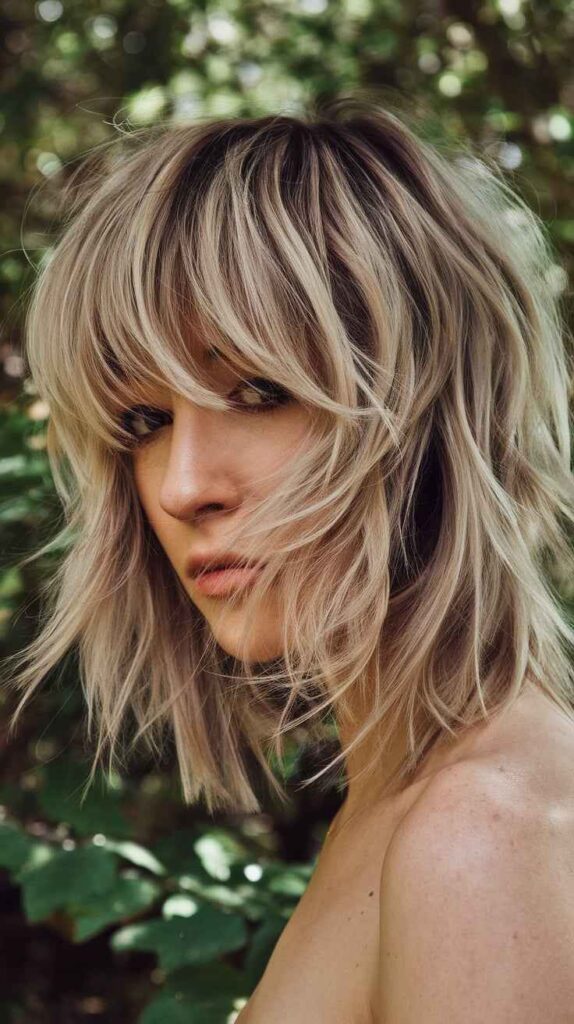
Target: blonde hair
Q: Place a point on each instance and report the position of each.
(400, 291)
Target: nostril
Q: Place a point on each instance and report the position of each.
(209, 509)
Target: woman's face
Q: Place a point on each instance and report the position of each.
(198, 472)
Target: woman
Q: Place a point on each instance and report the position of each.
(323, 347)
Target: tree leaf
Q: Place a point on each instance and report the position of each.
(167, 1008)
(60, 799)
(218, 850)
(128, 896)
(70, 877)
(176, 852)
(198, 939)
(208, 982)
(15, 846)
(261, 947)
(192, 995)
(136, 854)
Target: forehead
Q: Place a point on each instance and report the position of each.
(209, 356)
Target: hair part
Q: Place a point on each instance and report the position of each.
(398, 292)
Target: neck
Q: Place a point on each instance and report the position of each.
(368, 768)
(371, 763)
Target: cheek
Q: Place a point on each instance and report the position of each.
(277, 443)
(147, 481)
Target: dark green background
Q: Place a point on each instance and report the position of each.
(133, 907)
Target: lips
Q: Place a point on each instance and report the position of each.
(210, 561)
(219, 582)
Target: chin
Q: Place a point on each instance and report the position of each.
(264, 644)
(261, 649)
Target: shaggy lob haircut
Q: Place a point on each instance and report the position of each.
(401, 292)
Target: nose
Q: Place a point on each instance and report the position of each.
(202, 473)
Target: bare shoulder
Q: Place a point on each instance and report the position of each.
(483, 811)
(477, 902)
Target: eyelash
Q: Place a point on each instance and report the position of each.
(282, 398)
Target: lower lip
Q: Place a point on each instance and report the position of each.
(219, 582)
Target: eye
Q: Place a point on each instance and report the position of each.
(260, 395)
(137, 419)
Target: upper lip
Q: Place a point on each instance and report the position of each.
(201, 563)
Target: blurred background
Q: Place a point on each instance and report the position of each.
(131, 907)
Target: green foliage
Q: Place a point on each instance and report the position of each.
(62, 783)
(262, 943)
(191, 900)
(209, 933)
(15, 847)
(200, 996)
(66, 880)
(126, 896)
